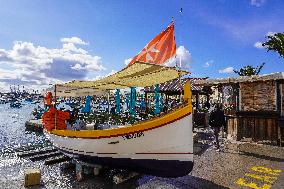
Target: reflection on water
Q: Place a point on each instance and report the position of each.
(13, 138)
(12, 127)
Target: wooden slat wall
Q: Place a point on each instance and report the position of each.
(256, 128)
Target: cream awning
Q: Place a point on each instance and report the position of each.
(66, 91)
(79, 92)
(136, 75)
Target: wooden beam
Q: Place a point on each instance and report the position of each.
(278, 98)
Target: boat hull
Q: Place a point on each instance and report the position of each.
(165, 150)
(161, 168)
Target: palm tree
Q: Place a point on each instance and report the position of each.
(275, 43)
(249, 70)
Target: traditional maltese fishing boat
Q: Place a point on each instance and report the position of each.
(161, 146)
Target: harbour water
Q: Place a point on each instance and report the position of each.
(12, 130)
(14, 137)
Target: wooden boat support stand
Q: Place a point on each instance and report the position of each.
(162, 146)
(84, 168)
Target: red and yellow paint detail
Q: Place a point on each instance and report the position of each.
(266, 175)
(140, 127)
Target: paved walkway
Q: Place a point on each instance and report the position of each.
(237, 165)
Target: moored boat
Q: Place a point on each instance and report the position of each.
(15, 104)
(3, 100)
(161, 146)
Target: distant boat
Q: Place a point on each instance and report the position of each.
(29, 99)
(3, 101)
(15, 104)
(35, 102)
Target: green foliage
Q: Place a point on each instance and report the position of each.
(249, 70)
(275, 43)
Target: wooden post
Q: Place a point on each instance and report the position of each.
(79, 172)
(278, 98)
(207, 98)
(237, 96)
(108, 106)
(197, 101)
(278, 108)
(146, 101)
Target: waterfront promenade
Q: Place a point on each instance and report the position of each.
(237, 165)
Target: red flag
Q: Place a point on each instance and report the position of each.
(160, 49)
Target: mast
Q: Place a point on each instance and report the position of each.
(178, 62)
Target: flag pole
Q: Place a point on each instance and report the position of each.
(181, 88)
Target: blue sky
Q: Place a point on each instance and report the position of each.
(37, 48)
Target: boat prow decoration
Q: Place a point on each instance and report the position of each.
(54, 117)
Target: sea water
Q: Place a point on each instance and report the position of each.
(13, 137)
(12, 127)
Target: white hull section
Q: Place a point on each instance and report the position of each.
(169, 142)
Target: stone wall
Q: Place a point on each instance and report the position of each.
(259, 95)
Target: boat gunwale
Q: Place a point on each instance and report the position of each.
(156, 122)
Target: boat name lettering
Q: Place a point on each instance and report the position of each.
(134, 135)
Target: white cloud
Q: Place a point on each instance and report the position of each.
(257, 3)
(258, 45)
(270, 33)
(227, 70)
(208, 63)
(77, 67)
(8, 74)
(27, 64)
(74, 40)
(100, 76)
(73, 48)
(127, 61)
(183, 58)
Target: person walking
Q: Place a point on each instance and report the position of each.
(216, 121)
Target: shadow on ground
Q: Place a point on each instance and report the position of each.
(186, 182)
(261, 156)
(146, 182)
(205, 140)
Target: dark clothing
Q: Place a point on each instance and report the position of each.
(216, 134)
(217, 119)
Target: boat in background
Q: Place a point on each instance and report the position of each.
(15, 104)
(3, 100)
